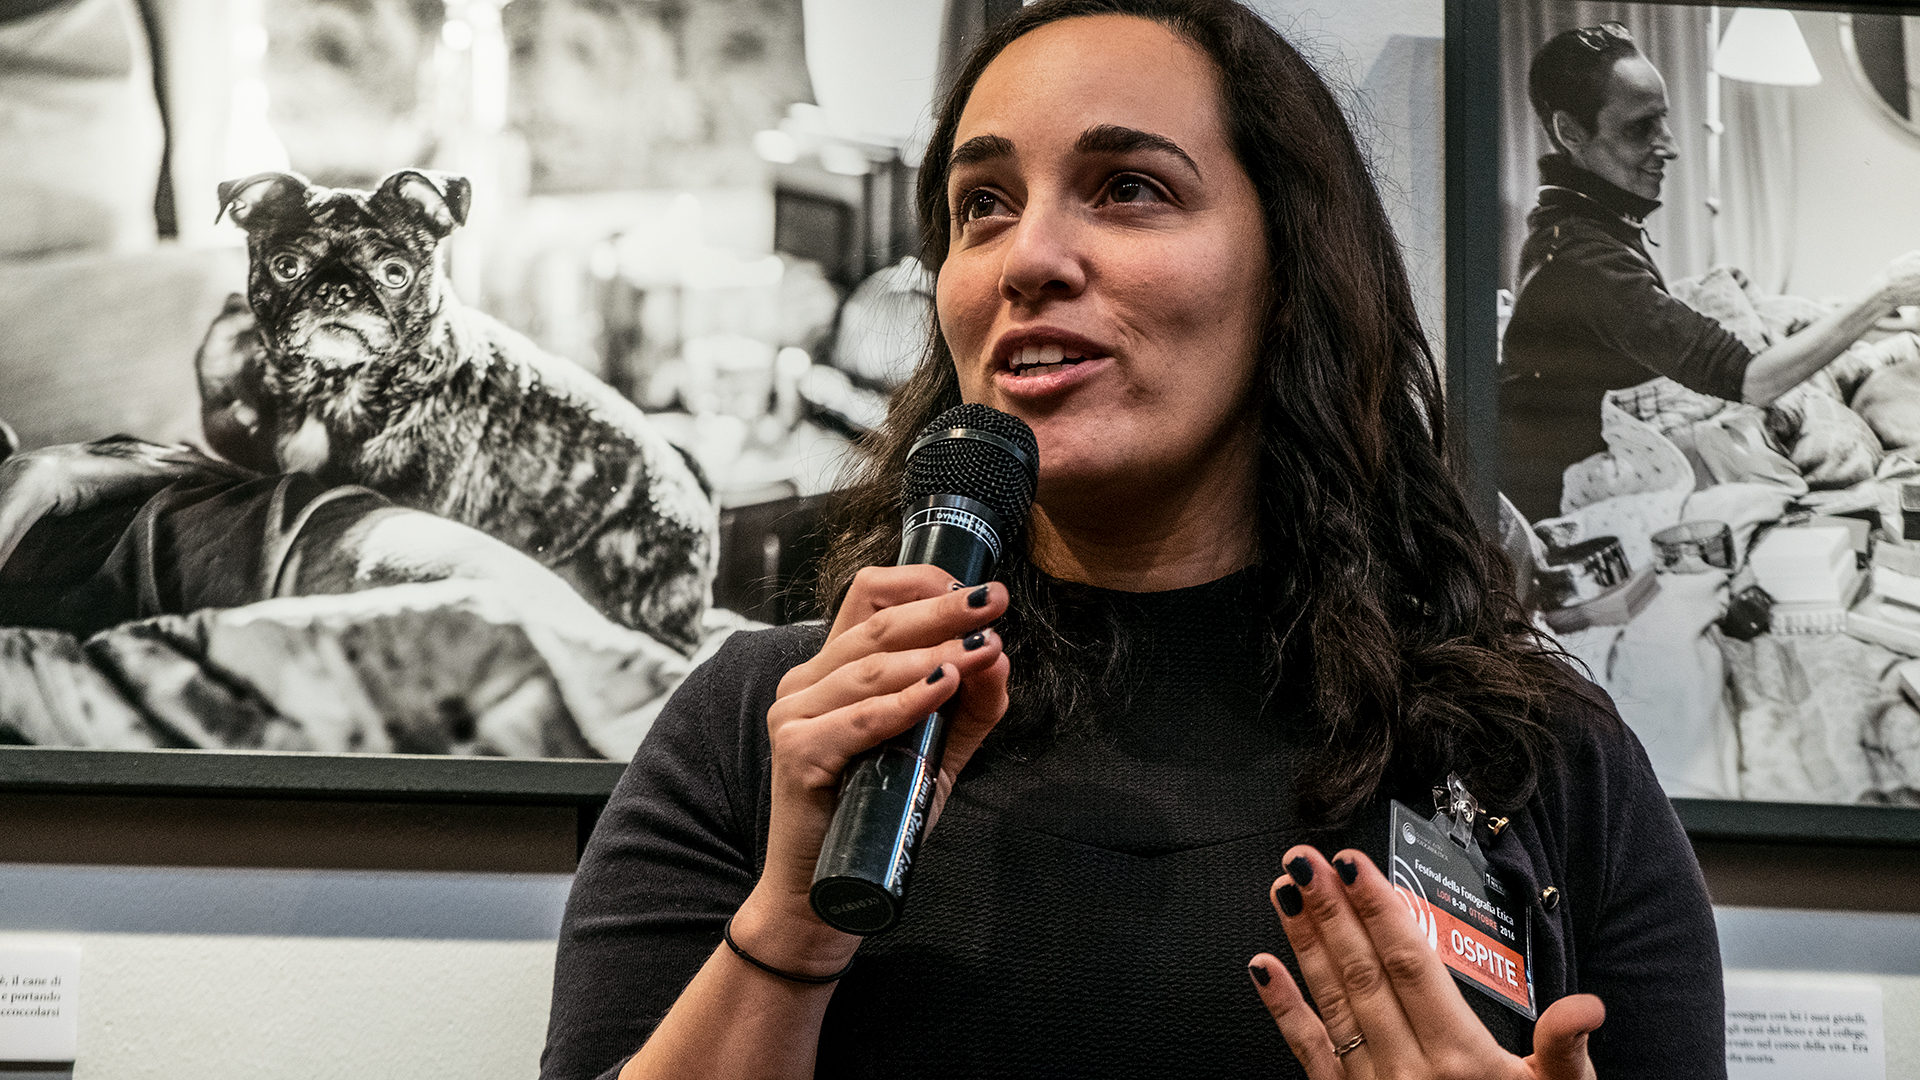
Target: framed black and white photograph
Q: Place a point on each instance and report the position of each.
(403, 397)
(1692, 379)
(393, 383)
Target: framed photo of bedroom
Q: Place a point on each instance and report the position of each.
(1684, 248)
(700, 209)
(567, 312)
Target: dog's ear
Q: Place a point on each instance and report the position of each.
(438, 200)
(261, 197)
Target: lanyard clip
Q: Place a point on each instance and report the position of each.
(1459, 815)
(1455, 810)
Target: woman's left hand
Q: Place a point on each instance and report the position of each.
(1385, 998)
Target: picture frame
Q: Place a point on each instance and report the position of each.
(822, 206)
(1478, 117)
(102, 310)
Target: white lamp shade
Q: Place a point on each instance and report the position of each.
(873, 64)
(1763, 45)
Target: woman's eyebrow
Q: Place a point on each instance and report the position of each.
(980, 148)
(1100, 139)
(1113, 139)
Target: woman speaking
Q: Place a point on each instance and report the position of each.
(1250, 614)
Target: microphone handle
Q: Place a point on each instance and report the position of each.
(860, 880)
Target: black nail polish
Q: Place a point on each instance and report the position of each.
(1290, 901)
(974, 640)
(1259, 974)
(1302, 871)
(1347, 869)
(938, 674)
(955, 587)
(978, 597)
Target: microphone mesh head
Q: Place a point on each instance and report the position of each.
(976, 468)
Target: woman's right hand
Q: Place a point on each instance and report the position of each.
(899, 627)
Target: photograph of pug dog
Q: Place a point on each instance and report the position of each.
(351, 359)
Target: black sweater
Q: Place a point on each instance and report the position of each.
(1592, 314)
(1087, 908)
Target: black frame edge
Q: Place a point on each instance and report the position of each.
(360, 778)
(1736, 821)
(1472, 113)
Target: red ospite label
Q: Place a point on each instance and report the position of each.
(1488, 963)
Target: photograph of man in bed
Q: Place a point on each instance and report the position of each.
(1592, 311)
(152, 595)
(225, 609)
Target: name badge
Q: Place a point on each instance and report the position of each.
(1465, 912)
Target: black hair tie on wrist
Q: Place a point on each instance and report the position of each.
(810, 980)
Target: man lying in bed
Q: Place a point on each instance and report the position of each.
(100, 533)
(97, 535)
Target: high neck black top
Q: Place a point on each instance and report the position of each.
(1078, 873)
(1087, 906)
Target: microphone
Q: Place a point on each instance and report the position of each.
(969, 482)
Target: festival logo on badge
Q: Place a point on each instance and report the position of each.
(1414, 894)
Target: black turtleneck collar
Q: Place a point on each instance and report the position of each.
(1558, 170)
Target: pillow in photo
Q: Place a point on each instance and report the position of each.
(1888, 399)
(1721, 295)
(1831, 445)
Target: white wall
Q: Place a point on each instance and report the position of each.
(222, 974)
(1857, 173)
(165, 1006)
(1384, 58)
(1793, 945)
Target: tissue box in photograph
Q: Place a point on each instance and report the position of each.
(1809, 565)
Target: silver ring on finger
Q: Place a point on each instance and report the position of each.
(1349, 1046)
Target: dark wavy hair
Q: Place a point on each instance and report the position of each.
(1382, 596)
(1571, 71)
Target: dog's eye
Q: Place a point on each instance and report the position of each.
(286, 266)
(395, 274)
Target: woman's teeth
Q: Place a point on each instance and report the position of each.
(1030, 360)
